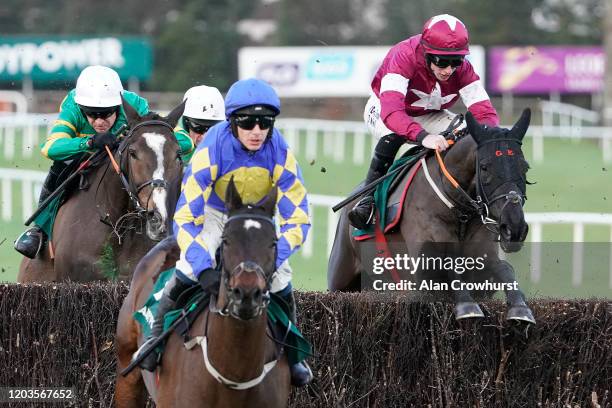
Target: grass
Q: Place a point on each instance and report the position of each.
(572, 178)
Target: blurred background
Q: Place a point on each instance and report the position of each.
(549, 55)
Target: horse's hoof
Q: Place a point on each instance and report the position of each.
(520, 313)
(467, 310)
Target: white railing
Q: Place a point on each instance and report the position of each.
(30, 128)
(30, 184)
(336, 136)
(536, 223)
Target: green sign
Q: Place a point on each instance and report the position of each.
(57, 58)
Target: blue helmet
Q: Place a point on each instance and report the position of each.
(252, 93)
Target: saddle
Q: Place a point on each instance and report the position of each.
(390, 196)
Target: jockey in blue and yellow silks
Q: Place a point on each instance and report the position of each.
(250, 150)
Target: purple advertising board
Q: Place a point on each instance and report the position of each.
(535, 70)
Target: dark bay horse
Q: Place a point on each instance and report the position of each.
(102, 232)
(232, 331)
(442, 220)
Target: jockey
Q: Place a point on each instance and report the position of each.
(419, 79)
(89, 116)
(204, 109)
(248, 148)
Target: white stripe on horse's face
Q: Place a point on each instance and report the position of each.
(251, 224)
(156, 142)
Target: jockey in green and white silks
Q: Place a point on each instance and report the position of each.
(204, 109)
(89, 116)
(250, 150)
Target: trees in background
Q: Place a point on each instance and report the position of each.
(196, 41)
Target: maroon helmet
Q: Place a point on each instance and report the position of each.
(445, 35)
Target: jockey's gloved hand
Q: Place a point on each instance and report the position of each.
(209, 279)
(435, 142)
(99, 140)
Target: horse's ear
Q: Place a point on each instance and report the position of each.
(176, 113)
(474, 128)
(130, 113)
(269, 204)
(232, 197)
(520, 127)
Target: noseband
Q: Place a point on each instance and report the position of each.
(480, 205)
(229, 309)
(132, 190)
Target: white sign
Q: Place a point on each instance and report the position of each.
(323, 71)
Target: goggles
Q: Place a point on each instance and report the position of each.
(198, 126)
(98, 113)
(248, 122)
(441, 62)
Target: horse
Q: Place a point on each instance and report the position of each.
(235, 368)
(100, 230)
(458, 205)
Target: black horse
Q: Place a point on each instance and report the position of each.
(459, 206)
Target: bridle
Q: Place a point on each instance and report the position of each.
(123, 169)
(231, 305)
(480, 205)
(228, 310)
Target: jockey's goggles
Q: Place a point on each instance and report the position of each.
(443, 62)
(98, 113)
(248, 122)
(198, 126)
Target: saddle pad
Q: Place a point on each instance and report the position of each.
(298, 347)
(390, 199)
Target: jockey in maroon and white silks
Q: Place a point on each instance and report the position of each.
(419, 79)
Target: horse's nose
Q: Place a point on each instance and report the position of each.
(248, 296)
(505, 232)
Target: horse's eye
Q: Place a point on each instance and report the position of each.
(483, 167)
(133, 154)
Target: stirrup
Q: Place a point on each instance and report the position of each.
(355, 215)
(25, 248)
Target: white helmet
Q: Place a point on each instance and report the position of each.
(204, 102)
(98, 87)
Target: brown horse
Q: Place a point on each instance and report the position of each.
(102, 231)
(442, 220)
(230, 366)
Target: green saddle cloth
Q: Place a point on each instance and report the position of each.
(46, 218)
(298, 350)
(381, 197)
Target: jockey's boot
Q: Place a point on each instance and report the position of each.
(167, 302)
(301, 374)
(361, 216)
(29, 243)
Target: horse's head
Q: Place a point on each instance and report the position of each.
(248, 255)
(150, 159)
(501, 171)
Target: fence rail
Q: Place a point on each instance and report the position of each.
(339, 135)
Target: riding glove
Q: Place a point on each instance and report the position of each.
(435, 142)
(99, 140)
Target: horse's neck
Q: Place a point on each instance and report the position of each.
(110, 196)
(237, 348)
(460, 163)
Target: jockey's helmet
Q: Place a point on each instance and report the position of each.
(251, 97)
(204, 103)
(445, 35)
(98, 87)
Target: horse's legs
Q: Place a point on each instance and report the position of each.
(343, 270)
(518, 309)
(130, 391)
(465, 306)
